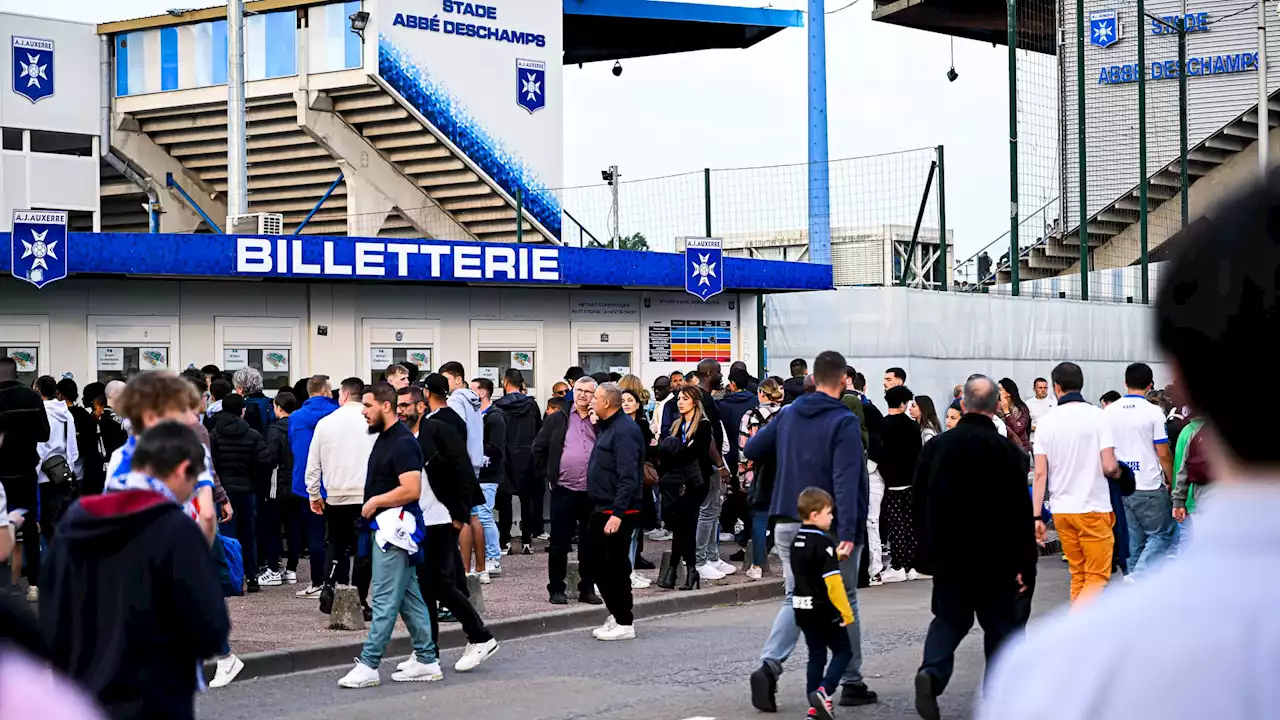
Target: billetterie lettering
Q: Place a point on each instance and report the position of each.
(395, 260)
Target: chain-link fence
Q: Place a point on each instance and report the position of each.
(1192, 136)
(879, 204)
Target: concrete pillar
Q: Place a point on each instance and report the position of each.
(367, 207)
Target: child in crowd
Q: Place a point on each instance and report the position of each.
(821, 605)
(555, 404)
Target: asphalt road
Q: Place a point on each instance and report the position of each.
(680, 667)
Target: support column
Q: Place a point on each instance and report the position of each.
(367, 208)
(819, 172)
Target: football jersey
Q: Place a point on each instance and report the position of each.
(1137, 426)
(813, 559)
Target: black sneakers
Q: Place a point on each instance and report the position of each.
(855, 694)
(926, 698)
(326, 599)
(764, 689)
(590, 599)
(559, 598)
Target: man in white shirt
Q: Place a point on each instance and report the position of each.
(1137, 426)
(1198, 638)
(339, 457)
(1041, 404)
(1075, 455)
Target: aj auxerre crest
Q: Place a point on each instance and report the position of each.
(531, 84)
(38, 246)
(704, 267)
(1104, 28)
(32, 67)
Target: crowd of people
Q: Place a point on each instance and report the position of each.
(404, 487)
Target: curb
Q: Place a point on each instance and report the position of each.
(283, 662)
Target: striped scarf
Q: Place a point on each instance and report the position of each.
(121, 476)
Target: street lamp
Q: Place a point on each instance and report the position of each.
(359, 21)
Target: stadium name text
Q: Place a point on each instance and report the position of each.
(464, 28)
(1169, 69)
(403, 260)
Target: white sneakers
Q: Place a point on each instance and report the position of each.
(475, 654)
(484, 578)
(270, 578)
(707, 571)
(228, 668)
(493, 568)
(658, 535)
(755, 573)
(311, 591)
(892, 576)
(639, 582)
(912, 574)
(724, 567)
(290, 577)
(611, 631)
(727, 537)
(33, 594)
(361, 676)
(414, 670)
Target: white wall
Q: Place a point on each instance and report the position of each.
(942, 338)
(73, 106)
(192, 309)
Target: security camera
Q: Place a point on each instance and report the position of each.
(952, 75)
(617, 68)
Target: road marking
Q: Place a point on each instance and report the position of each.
(700, 718)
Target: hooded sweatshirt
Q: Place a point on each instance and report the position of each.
(732, 408)
(62, 439)
(524, 420)
(302, 426)
(816, 442)
(130, 603)
(495, 446)
(792, 389)
(467, 404)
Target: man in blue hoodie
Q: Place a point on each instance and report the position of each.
(815, 442)
(302, 427)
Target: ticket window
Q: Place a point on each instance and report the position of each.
(606, 348)
(404, 342)
(272, 346)
(25, 340)
(503, 346)
(122, 347)
(28, 361)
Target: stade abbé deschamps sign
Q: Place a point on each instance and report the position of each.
(1106, 30)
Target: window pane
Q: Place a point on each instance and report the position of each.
(12, 138)
(500, 361)
(43, 141)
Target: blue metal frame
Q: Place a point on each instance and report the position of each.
(819, 172)
(687, 12)
(169, 182)
(316, 209)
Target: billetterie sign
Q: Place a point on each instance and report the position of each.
(400, 260)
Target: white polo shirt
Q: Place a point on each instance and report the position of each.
(1071, 438)
(1137, 426)
(1040, 407)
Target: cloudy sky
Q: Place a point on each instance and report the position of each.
(887, 91)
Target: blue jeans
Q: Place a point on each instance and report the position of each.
(492, 550)
(395, 592)
(1151, 529)
(759, 536)
(707, 542)
(785, 633)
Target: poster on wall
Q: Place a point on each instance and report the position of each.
(25, 357)
(235, 358)
(420, 358)
(153, 358)
(521, 360)
(690, 341)
(111, 359)
(491, 373)
(380, 358)
(275, 361)
(502, 101)
(620, 369)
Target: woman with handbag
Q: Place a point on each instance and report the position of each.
(685, 462)
(634, 409)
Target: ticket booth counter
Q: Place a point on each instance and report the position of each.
(500, 346)
(273, 346)
(25, 340)
(121, 346)
(387, 341)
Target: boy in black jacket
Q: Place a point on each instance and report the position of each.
(240, 459)
(821, 605)
(130, 600)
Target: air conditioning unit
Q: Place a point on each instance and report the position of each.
(256, 224)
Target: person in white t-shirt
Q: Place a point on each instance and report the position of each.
(1074, 454)
(1137, 427)
(1041, 404)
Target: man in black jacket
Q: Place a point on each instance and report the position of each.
(445, 511)
(23, 425)
(561, 453)
(615, 476)
(524, 421)
(794, 386)
(91, 468)
(240, 458)
(130, 601)
(971, 497)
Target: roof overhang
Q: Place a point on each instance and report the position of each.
(594, 30)
(982, 20)
(337, 259)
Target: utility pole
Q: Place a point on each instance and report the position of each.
(237, 158)
(613, 207)
(1014, 251)
(1264, 111)
(1182, 115)
(1144, 219)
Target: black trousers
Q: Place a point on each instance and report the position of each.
(315, 531)
(502, 509)
(954, 608)
(680, 514)
(897, 518)
(532, 493)
(341, 524)
(610, 557)
(819, 672)
(570, 513)
(437, 579)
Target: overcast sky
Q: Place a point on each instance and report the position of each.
(887, 91)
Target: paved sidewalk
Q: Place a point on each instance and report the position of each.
(274, 619)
